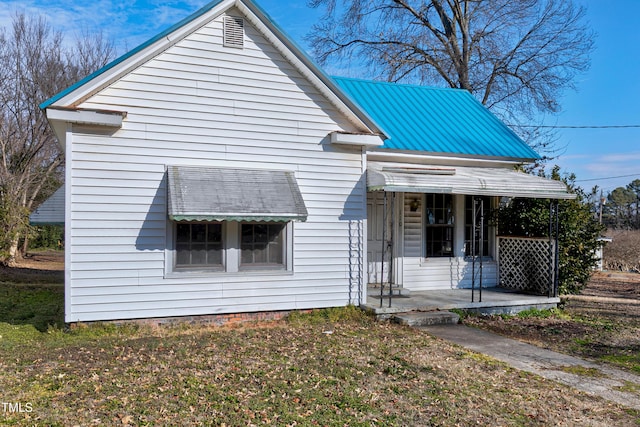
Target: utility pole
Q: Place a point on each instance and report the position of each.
(602, 202)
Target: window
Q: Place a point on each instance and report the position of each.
(262, 245)
(198, 245)
(468, 227)
(231, 246)
(439, 227)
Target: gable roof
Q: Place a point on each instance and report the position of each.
(93, 83)
(435, 120)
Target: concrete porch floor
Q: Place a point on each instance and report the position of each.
(494, 301)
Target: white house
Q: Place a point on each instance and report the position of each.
(215, 169)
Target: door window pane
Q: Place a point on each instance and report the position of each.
(439, 225)
(481, 239)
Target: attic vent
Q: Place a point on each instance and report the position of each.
(233, 32)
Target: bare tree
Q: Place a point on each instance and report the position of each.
(515, 56)
(35, 64)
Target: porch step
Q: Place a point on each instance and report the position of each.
(426, 318)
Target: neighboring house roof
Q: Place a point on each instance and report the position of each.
(79, 92)
(51, 211)
(435, 120)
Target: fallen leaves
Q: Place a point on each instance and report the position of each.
(286, 374)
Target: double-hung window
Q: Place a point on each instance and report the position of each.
(198, 245)
(262, 245)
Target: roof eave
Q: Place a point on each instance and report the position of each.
(92, 83)
(417, 155)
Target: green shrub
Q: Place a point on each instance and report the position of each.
(578, 231)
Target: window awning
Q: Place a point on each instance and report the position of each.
(477, 181)
(221, 194)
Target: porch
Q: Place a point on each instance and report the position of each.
(493, 301)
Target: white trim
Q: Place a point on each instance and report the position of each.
(365, 224)
(356, 139)
(399, 240)
(68, 239)
(383, 155)
(231, 247)
(87, 117)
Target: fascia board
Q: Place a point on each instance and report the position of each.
(382, 155)
(357, 139)
(86, 117)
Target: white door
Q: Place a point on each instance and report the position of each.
(375, 238)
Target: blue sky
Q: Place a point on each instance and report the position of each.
(608, 93)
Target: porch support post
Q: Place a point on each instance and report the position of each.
(473, 249)
(556, 275)
(384, 244)
(481, 243)
(550, 292)
(391, 245)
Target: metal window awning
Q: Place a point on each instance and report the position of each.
(480, 181)
(223, 194)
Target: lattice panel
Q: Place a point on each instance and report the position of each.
(356, 279)
(523, 264)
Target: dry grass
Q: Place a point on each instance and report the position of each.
(623, 253)
(286, 373)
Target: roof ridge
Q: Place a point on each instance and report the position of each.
(396, 84)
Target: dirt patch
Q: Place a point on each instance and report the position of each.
(593, 327)
(36, 268)
(615, 285)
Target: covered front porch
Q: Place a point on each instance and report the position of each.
(432, 247)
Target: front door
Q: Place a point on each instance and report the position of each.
(377, 236)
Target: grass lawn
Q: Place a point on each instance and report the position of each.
(332, 367)
(38, 305)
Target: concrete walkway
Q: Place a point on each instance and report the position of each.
(548, 364)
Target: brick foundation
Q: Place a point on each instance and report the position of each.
(209, 320)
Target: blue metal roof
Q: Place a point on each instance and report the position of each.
(435, 120)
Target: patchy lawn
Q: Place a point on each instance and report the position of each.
(334, 367)
(595, 327)
(331, 367)
(33, 292)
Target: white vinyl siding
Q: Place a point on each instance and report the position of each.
(202, 104)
